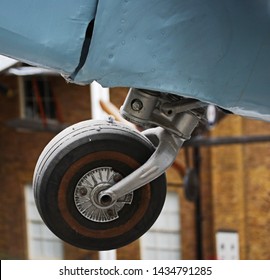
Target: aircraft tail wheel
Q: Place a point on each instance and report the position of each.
(76, 166)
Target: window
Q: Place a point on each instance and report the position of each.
(42, 243)
(37, 98)
(39, 101)
(162, 241)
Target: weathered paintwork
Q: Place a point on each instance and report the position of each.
(215, 51)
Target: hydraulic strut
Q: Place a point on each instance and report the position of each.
(170, 121)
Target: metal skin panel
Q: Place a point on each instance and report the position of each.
(45, 33)
(214, 51)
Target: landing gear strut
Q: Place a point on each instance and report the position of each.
(100, 185)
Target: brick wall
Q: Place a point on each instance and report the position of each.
(19, 151)
(240, 188)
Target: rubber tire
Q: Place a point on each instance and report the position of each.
(77, 150)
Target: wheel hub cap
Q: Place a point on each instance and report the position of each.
(86, 195)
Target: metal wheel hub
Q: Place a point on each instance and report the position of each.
(86, 195)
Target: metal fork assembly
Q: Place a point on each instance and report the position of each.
(174, 120)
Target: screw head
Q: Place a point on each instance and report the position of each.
(117, 177)
(110, 212)
(83, 191)
(136, 105)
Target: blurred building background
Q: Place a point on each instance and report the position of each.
(221, 211)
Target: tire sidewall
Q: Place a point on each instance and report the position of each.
(57, 164)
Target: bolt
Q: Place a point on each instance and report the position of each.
(83, 191)
(136, 105)
(110, 119)
(110, 212)
(117, 177)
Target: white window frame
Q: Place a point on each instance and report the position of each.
(163, 240)
(42, 243)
